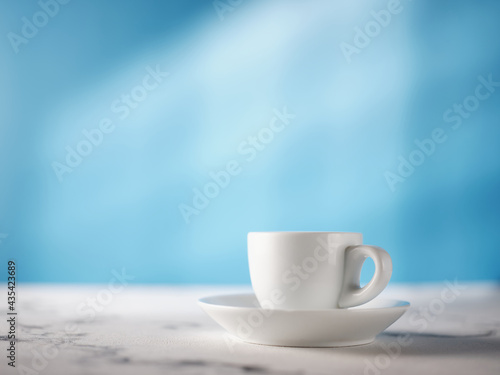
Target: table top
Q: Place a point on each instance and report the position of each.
(127, 329)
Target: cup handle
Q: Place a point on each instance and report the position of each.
(352, 294)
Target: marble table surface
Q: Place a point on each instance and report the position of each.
(128, 329)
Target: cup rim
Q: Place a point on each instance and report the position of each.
(303, 232)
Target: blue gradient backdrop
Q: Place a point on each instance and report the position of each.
(327, 170)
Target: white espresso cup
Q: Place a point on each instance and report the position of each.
(314, 270)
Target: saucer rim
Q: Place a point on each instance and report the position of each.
(398, 305)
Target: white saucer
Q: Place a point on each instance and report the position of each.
(242, 316)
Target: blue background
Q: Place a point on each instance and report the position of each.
(119, 208)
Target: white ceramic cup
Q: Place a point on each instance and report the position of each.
(314, 270)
